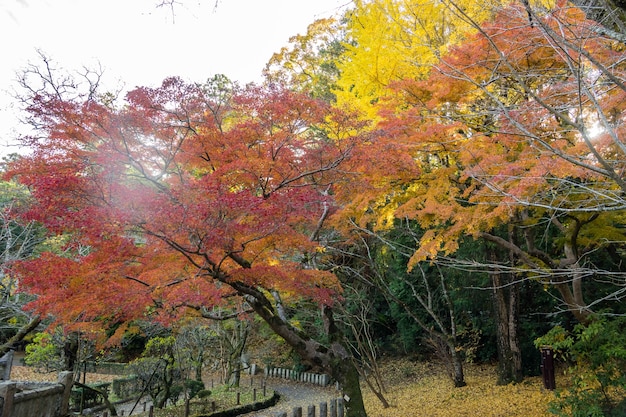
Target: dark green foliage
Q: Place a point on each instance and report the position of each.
(194, 388)
(598, 354)
(204, 393)
(234, 412)
(468, 285)
(158, 371)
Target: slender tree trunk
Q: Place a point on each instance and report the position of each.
(377, 391)
(457, 363)
(363, 344)
(446, 350)
(514, 340)
(198, 367)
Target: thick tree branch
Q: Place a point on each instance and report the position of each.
(21, 334)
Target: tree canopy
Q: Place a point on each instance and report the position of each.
(406, 137)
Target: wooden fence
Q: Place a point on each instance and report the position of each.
(29, 399)
(333, 408)
(88, 402)
(309, 377)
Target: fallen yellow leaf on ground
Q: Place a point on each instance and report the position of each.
(423, 389)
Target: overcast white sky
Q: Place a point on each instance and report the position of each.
(139, 44)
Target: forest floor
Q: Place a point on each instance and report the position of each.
(413, 389)
(424, 389)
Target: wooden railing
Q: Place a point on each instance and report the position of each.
(28, 399)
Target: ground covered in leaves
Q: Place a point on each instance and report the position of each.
(27, 373)
(423, 389)
(413, 389)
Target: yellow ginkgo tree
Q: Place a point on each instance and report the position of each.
(517, 137)
(390, 40)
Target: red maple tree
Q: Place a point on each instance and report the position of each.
(183, 198)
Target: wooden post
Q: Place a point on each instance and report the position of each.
(187, 407)
(106, 414)
(213, 406)
(340, 407)
(238, 398)
(333, 408)
(297, 412)
(547, 368)
(7, 359)
(254, 394)
(67, 379)
(264, 390)
(323, 409)
(82, 400)
(251, 381)
(310, 411)
(151, 412)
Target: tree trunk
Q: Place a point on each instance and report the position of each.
(238, 345)
(446, 350)
(236, 375)
(457, 362)
(198, 367)
(505, 294)
(358, 323)
(168, 380)
(345, 372)
(334, 358)
(70, 351)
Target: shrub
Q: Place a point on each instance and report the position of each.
(44, 353)
(597, 352)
